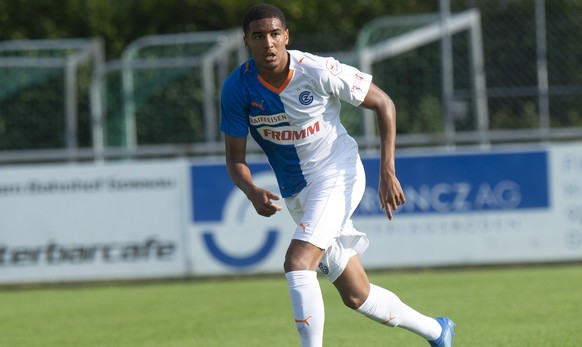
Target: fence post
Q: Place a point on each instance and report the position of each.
(542, 69)
(479, 81)
(447, 71)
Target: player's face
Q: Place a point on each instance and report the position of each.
(267, 40)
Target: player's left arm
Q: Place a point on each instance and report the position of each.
(389, 190)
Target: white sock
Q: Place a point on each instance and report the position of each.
(307, 303)
(385, 307)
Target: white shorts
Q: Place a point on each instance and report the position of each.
(323, 210)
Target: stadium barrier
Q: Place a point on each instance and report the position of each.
(179, 219)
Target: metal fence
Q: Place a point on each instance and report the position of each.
(44, 89)
(532, 63)
(489, 72)
(162, 97)
(477, 73)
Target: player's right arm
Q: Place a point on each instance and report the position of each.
(240, 174)
(234, 124)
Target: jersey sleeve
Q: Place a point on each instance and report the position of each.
(234, 110)
(347, 82)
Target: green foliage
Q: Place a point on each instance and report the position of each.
(515, 114)
(120, 22)
(411, 79)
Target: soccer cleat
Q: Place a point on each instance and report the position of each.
(446, 338)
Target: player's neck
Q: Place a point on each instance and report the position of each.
(276, 77)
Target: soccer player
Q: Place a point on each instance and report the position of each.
(290, 102)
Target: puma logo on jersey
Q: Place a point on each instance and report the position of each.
(254, 104)
(247, 67)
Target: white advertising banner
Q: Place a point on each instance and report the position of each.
(475, 208)
(92, 222)
(566, 178)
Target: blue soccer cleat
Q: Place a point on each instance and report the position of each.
(446, 338)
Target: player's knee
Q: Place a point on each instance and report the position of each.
(294, 263)
(302, 256)
(353, 300)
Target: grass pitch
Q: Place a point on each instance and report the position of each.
(526, 306)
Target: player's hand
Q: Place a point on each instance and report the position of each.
(262, 200)
(390, 193)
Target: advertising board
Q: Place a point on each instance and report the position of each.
(474, 208)
(227, 235)
(143, 220)
(79, 222)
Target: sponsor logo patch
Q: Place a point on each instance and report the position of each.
(358, 81)
(287, 135)
(334, 66)
(305, 98)
(269, 120)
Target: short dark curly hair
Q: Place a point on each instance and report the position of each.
(261, 11)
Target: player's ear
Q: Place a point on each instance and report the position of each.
(286, 37)
(246, 42)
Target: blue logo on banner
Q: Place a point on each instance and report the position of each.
(211, 187)
(237, 261)
(462, 183)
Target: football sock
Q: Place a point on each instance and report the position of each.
(385, 307)
(307, 303)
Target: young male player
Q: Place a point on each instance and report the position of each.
(290, 102)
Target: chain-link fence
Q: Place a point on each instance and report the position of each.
(44, 93)
(164, 91)
(532, 69)
(163, 98)
(532, 57)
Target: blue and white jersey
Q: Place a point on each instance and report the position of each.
(297, 125)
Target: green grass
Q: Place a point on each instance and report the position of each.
(531, 306)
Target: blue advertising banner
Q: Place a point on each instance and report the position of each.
(432, 184)
(211, 186)
(462, 208)
(228, 235)
(466, 182)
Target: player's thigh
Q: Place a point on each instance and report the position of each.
(321, 212)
